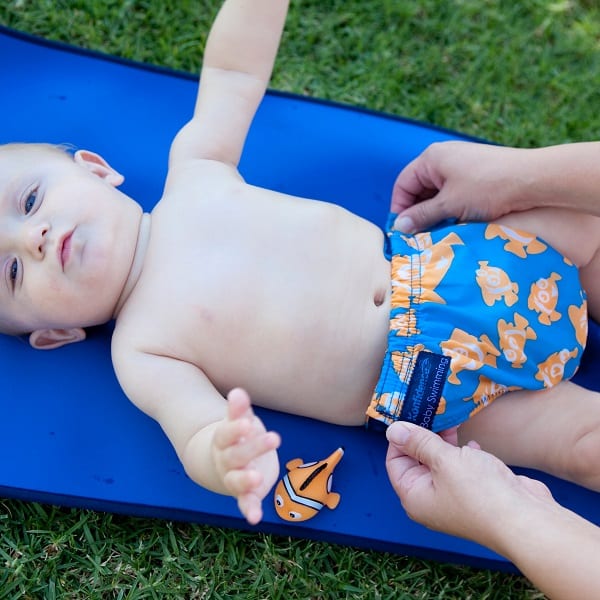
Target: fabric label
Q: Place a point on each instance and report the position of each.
(425, 389)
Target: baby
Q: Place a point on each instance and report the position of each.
(227, 292)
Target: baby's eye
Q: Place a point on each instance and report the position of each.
(13, 271)
(30, 201)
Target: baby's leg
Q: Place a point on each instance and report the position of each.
(575, 235)
(555, 430)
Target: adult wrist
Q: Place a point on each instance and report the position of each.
(522, 531)
(531, 184)
(561, 176)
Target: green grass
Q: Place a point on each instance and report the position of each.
(520, 73)
(47, 552)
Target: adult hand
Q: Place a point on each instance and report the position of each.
(463, 180)
(465, 491)
(481, 182)
(470, 493)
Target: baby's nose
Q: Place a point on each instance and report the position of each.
(36, 239)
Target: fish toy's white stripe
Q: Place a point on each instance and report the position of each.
(300, 499)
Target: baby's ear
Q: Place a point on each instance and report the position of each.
(98, 166)
(48, 339)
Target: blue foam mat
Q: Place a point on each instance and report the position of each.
(69, 435)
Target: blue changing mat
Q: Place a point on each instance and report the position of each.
(69, 435)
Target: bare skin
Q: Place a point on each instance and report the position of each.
(469, 493)
(233, 287)
(291, 281)
(482, 182)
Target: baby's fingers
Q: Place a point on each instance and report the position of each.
(247, 450)
(243, 485)
(250, 506)
(241, 482)
(239, 404)
(230, 433)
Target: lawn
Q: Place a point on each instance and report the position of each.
(520, 73)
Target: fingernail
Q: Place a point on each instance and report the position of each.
(398, 433)
(404, 224)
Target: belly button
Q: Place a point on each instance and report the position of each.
(379, 297)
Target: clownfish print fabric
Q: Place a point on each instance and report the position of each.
(477, 310)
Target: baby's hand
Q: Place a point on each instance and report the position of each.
(245, 455)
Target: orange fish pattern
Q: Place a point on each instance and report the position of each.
(503, 306)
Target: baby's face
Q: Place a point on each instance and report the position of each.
(67, 239)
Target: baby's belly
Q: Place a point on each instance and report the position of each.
(330, 377)
(300, 322)
(317, 356)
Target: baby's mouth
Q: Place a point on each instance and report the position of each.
(65, 249)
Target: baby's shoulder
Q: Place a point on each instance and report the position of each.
(135, 331)
(141, 365)
(196, 184)
(127, 338)
(202, 171)
(136, 344)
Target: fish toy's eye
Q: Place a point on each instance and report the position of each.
(278, 500)
(294, 515)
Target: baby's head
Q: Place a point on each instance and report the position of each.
(67, 242)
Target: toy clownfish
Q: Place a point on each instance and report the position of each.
(306, 488)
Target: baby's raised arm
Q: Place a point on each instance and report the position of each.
(238, 60)
(222, 444)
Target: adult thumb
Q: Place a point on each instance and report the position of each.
(421, 444)
(422, 215)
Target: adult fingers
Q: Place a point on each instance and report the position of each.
(424, 214)
(397, 462)
(411, 185)
(450, 435)
(422, 445)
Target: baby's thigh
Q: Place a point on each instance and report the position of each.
(575, 235)
(590, 281)
(555, 430)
